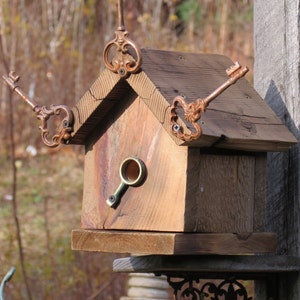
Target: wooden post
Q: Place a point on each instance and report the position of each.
(276, 78)
(143, 286)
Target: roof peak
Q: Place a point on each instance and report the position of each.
(118, 48)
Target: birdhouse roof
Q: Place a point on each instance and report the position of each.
(237, 119)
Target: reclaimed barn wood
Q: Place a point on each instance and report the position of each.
(186, 189)
(214, 184)
(142, 208)
(238, 115)
(226, 181)
(135, 242)
(90, 107)
(276, 78)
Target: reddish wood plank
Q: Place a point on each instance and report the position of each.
(156, 205)
(88, 111)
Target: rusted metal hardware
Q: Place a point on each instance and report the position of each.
(43, 114)
(193, 110)
(133, 173)
(5, 279)
(192, 287)
(122, 63)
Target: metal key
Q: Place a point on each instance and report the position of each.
(43, 114)
(12, 80)
(193, 110)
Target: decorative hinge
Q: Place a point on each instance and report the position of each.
(193, 110)
(43, 114)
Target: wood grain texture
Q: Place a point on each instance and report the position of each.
(255, 264)
(238, 115)
(185, 190)
(220, 192)
(155, 101)
(158, 204)
(259, 204)
(276, 78)
(172, 243)
(278, 82)
(91, 108)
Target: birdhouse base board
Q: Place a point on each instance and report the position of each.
(140, 242)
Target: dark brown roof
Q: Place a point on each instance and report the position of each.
(236, 119)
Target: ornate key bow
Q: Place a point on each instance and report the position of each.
(193, 110)
(43, 114)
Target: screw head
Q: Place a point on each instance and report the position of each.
(122, 72)
(65, 124)
(176, 127)
(111, 200)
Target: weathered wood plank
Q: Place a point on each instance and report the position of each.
(172, 243)
(276, 78)
(257, 264)
(90, 104)
(282, 93)
(185, 190)
(220, 192)
(259, 204)
(158, 204)
(238, 113)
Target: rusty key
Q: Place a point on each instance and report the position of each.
(12, 80)
(43, 114)
(193, 110)
(235, 72)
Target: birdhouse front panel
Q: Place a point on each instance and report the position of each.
(159, 202)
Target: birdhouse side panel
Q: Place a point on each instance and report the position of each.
(220, 192)
(260, 192)
(158, 203)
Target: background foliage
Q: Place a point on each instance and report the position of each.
(56, 46)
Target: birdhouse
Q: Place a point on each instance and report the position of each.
(159, 181)
(175, 153)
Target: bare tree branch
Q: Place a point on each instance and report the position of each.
(11, 64)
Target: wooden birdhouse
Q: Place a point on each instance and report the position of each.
(164, 172)
(165, 175)
(175, 153)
